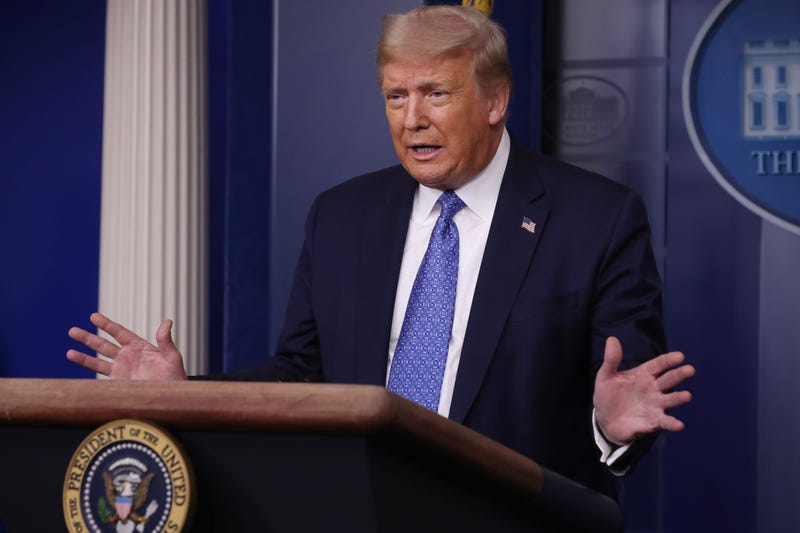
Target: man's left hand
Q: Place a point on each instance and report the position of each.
(634, 402)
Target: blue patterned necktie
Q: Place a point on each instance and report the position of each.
(421, 352)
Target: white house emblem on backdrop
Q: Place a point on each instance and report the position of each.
(583, 110)
(741, 104)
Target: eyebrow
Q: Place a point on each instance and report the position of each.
(425, 84)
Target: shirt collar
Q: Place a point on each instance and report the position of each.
(479, 193)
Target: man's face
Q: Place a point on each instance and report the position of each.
(444, 131)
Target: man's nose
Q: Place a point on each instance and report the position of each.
(416, 114)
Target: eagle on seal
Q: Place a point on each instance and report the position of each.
(127, 496)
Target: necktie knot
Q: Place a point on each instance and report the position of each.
(451, 204)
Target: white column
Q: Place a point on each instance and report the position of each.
(153, 252)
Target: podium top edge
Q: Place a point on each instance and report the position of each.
(193, 404)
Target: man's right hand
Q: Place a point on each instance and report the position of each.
(134, 357)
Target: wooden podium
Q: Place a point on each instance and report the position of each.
(291, 458)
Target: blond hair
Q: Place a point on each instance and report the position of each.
(433, 31)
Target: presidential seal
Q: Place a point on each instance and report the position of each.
(128, 476)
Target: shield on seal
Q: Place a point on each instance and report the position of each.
(123, 507)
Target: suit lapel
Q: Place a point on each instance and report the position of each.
(381, 252)
(506, 261)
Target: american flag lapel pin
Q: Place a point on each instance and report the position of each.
(528, 225)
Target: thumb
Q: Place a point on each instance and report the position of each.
(612, 358)
(164, 337)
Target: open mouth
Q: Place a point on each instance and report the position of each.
(425, 148)
(423, 152)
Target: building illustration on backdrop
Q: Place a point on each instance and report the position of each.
(583, 110)
(771, 81)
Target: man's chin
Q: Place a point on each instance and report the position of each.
(433, 179)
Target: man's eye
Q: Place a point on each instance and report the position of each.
(438, 94)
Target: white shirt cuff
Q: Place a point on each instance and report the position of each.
(609, 452)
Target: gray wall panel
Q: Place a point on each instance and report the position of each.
(602, 29)
(329, 112)
(779, 382)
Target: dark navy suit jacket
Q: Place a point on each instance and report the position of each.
(544, 303)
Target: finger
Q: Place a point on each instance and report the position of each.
(91, 363)
(164, 337)
(671, 379)
(95, 342)
(670, 423)
(658, 365)
(676, 399)
(612, 357)
(120, 333)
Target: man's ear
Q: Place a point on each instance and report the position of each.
(497, 103)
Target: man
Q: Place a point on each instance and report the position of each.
(497, 282)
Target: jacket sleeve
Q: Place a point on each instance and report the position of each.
(629, 305)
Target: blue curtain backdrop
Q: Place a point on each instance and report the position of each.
(240, 99)
(51, 117)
